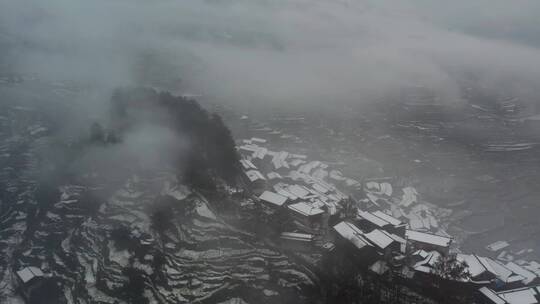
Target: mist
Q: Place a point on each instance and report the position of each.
(269, 151)
(300, 53)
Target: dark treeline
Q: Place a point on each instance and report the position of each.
(211, 149)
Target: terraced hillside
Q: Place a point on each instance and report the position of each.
(137, 237)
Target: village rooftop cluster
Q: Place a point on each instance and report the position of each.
(385, 229)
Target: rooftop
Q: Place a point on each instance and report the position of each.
(428, 238)
(274, 175)
(28, 273)
(527, 295)
(390, 219)
(273, 198)
(247, 164)
(259, 140)
(529, 276)
(305, 209)
(474, 266)
(492, 296)
(254, 175)
(352, 233)
(297, 236)
(298, 191)
(372, 218)
(379, 238)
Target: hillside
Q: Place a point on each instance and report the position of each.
(115, 217)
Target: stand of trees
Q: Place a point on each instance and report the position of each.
(212, 154)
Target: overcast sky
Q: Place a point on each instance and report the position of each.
(280, 51)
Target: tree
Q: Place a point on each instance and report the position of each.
(223, 155)
(163, 213)
(349, 208)
(97, 133)
(122, 238)
(159, 274)
(212, 155)
(49, 292)
(133, 290)
(448, 267)
(450, 274)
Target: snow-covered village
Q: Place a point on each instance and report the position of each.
(380, 223)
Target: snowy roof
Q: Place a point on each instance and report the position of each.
(428, 238)
(382, 188)
(259, 140)
(373, 186)
(248, 148)
(302, 156)
(337, 175)
(379, 238)
(297, 236)
(352, 233)
(416, 222)
(497, 269)
(28, 273)
(279, 160)
(305, 209)
(429, 259)
(500, 271)
(320, 188)
(254, 175)
(386, 188)
(421, 253)
(281, 189)
(320, 173)
(274, 175)
(395, 237)
(372, 218)
(296, 162)
(473, 264)
(529, 276)
(351, 182)
(534, 267)
(409, 196)
(298, 191)
(260, 153)
(492, 296)
(390, 219)
(286, 193)
(520, 296)
(497, 246)
(307, 168)
(247, 164)
(273, 198)
(421, 268)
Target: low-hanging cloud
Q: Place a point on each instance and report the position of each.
(293, 52)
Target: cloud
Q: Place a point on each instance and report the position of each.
(293, 52)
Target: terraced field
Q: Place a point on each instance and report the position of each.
(98, 239)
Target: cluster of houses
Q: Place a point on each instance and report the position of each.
(383, 232)
(380, 239)
(318, 208)
(287, 180)
(513, 282)
(420, 215)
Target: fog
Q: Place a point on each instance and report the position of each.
(276, 52)
(92, 145)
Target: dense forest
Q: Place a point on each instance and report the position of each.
(210, 154)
